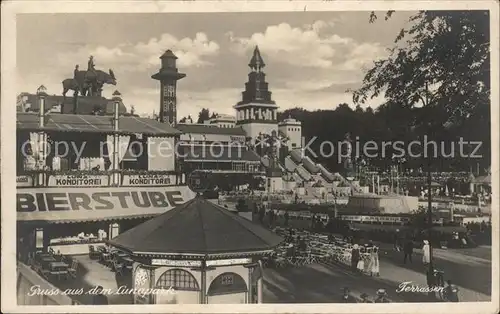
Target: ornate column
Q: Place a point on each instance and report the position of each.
(251, 113)
(116, 100)
(259, 290)
(42, 136)
(203, 285)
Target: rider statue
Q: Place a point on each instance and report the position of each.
(91, 65)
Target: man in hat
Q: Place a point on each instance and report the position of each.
(364, 298)
(408, 250)
(90, 64)
(75, 72)
(347, 297)
(381, 296)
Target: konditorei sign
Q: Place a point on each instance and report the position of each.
(147, 179)
(59, 204)
(78, 180)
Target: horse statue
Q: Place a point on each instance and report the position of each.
(88, 83)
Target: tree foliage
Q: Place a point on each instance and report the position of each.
(387, 123)
(204, 115)
(442, 62)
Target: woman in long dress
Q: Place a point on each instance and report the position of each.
(427, 253)
(374, 265)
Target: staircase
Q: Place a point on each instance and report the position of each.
(304, 170)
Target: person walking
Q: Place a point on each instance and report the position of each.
(347, 297)
(374, 267)
(355, 256)
(426, 258)
(286, 218)
(408, 250)
(396, 241)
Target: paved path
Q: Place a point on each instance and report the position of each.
(319, 283)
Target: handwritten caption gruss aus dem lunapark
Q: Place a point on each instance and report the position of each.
(37, 290)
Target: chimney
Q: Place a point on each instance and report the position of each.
(41, 92)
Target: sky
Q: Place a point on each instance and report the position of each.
(312, 58)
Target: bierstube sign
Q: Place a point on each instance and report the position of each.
(60, 204)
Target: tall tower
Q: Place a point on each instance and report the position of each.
(168, 75)
(257, 112)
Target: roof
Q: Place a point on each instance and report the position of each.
(208, 129)
(219, 153)
(95, 124)
(197, 227)
(86, 104)
(168, 54)
(256, 62)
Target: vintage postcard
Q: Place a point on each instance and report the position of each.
(260, 156)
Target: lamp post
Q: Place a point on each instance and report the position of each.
(335, 211)
(41, 93)
(116, 115)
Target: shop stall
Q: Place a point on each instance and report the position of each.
(197, 253)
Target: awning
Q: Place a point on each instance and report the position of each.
(55, 220)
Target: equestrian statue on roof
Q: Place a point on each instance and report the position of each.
(89, 82)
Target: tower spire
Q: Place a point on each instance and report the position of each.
(256, 63)
(168, 75)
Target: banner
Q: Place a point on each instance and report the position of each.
(62, 204)
(78, 180)
(148, 179)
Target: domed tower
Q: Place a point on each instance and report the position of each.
(257, 112)
(168, 75)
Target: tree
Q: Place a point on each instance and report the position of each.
(183, 120)
(204, 115)
(440, 62)
(438, 68)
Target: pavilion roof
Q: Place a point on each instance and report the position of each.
(96, 124)
(198, 227)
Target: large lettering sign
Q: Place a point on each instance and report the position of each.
(24, 181)
(148, 179)
(78, 180)
(56, 204)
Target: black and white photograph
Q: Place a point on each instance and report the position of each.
(203, 153)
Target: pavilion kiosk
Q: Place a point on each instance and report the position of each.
(197, 253)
